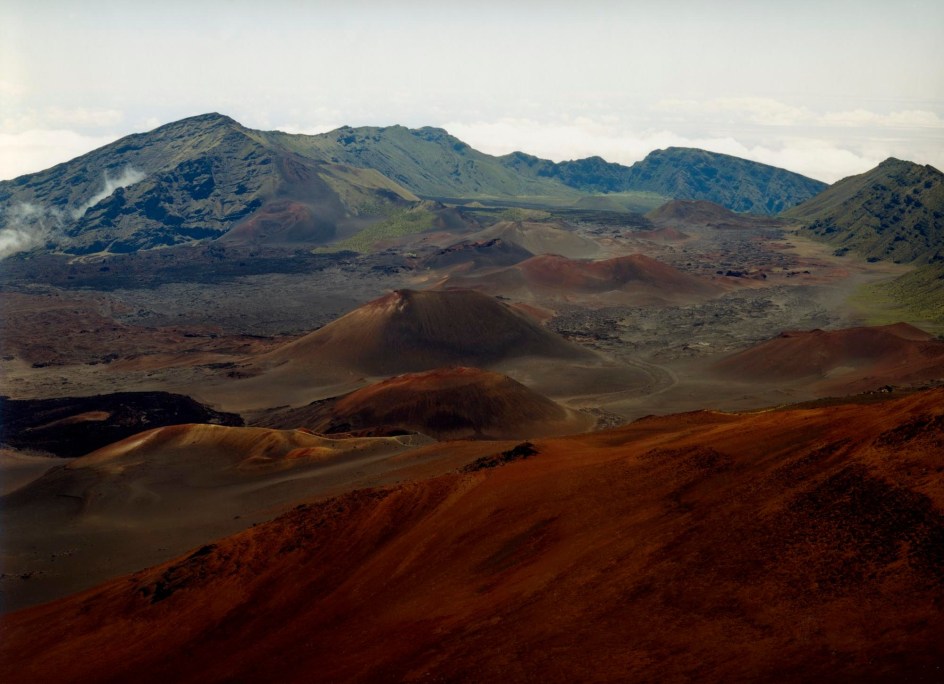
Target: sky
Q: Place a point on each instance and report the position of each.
(826, 88)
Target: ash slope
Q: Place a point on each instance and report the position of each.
(847, 360)
(149, 497)
(794, 546)
(410, 330)
(634, 278)
(707, 214)
(446, 403)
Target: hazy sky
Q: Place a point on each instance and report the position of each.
(826, 88)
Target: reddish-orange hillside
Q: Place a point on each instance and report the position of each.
(478, 254)
(447, 403)
(408, 331)
(851, 358)
(283, 222)
(667, 234)
(554, 275)
(789, 546)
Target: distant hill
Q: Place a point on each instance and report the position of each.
(478, 254)
(920, 293)
(895, 212)
(410, 330)
(593, 174)
(539, 237)
(635, 278)
(847, 360)
(445, 403)
(682, 173)
(707, 214)
(737, 184)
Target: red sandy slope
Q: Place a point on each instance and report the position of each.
(792, 546)
(408, 330)
(553, 275)
(446, 403)
(851, 358)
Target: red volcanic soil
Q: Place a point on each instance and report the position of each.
(541, 238)
(447, 403)
(852, 359)
(408, 331)
(80, 328)
(282, 222)
(478, 254)
(663, 235)
(553, 275)
(790, 546)
(609, 274)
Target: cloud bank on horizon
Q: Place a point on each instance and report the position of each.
(827, 91)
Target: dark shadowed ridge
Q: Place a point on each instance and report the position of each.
(73, 426)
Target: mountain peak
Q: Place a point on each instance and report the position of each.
(210, 118)
(890, 212)
(201, 122)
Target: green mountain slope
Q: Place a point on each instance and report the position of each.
(737, 184)
(916, 296)
(681, 173)
(428, 161)
(208, 177)
(201, 177)
(432, 163)
(895, 211)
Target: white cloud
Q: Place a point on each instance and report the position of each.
(128, 176)
(912, 118)
(764, 111)
(827, 145)
(68, 118)
(583, 137)
(36, 149)
(26, 226)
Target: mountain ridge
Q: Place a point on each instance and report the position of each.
(187, 180)
(203, 176)
(894, 211)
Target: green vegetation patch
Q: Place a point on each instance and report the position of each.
(916, 296)
(400, 222)
(640, 202)
(520, 214)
